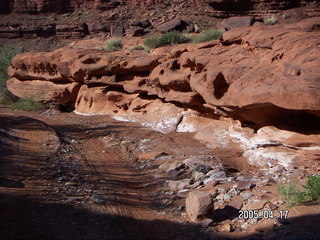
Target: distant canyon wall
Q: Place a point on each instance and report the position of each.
(36, 6)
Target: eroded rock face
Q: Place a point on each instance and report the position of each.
(261, 75)
(63, 93)
(229, 8)
(232, 76)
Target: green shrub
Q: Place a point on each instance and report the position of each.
(28, 104)
(152, 41)
(313, 187)
(169, 38)
(206, 36)
(113, 45)
(140, 47)
(172, 38)
(6, 55)
(6, 97)
(291, 194)
(271, 20)
(295, 196)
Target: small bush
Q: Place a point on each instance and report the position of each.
(28, 104)
(172, 38)
(169, 38)
(6, 97)
(140, 47)
(153, 41)
(113, 45)
(295, 196)
(291, 194)
(6, 55)
(285, 16)
(207, 36)
(313, 187)
(271, 20)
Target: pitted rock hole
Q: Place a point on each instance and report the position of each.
(220, 86)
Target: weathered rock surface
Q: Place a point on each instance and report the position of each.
(63, 93)
(251, 74)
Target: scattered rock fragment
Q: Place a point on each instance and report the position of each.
(270, 206)
(178, 185)
(206, 222)
(225, 228)
(176, 169)
(244, 185)
(98, 198)
(203, 168)
(237, 204)
(180, 208)
(254, 204)
(198, 176)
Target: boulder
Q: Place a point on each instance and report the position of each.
(236, 22)
(172, 25)
(142, 24)
(244, 185)
(134, 32)
(198, 204)
(175, 169)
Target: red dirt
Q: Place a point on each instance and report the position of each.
(50, 166)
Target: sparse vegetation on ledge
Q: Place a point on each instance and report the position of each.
(169, 38)
(206, 36)
(140, 48)
(113, 45)
(271, 20)
(28, 104)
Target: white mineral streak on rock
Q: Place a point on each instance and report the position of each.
(88, 114)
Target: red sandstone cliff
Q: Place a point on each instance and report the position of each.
(221, 6)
